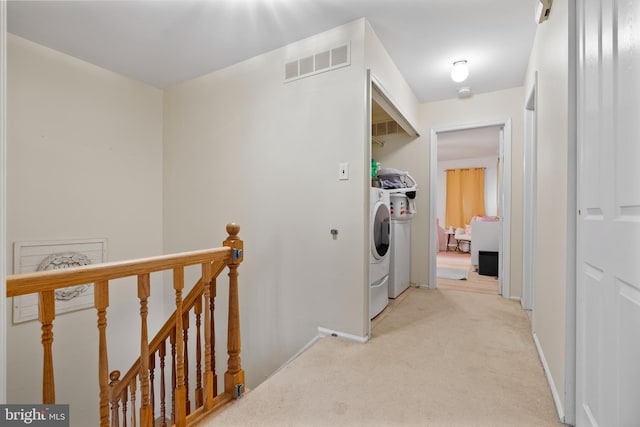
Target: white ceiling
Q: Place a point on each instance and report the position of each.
(170, 41)
(469, 143)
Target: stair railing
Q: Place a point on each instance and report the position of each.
(118, 395)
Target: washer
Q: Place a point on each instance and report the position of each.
(380, 251)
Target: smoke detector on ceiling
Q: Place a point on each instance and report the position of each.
(543, 10)
(464, 92)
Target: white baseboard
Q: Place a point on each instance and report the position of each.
(552, 384)
(515, 299)
(324, 332)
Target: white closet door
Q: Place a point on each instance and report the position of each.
(608, 266)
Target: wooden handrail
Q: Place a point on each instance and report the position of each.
(31, 283)
(114, 392)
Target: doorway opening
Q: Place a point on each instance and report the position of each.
(386, 124)
(468, 163)
(501, 201)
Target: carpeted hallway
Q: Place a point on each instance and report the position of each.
(436, 358)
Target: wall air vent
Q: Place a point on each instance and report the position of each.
(306, 65)
(339, 55)
(291, 70)
(325, 60)
(389, 127)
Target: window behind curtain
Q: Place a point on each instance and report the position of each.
(465, 196)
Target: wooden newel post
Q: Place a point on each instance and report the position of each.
(235, 375)
(46, 313)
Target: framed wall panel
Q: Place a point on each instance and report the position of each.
(29, 257)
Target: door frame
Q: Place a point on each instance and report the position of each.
(3, 200)
(504, 204)
(570, 404)
(530, 198)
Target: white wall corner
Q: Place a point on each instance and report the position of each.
(552, 385)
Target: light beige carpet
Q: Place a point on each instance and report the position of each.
(437, 358)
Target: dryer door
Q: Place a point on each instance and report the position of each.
(381, 231)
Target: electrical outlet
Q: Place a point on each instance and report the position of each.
(343, 171)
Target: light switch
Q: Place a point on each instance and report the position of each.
(343, 171)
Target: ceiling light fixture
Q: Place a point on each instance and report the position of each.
(460, 71)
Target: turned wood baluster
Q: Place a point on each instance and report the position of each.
(101, 302)
(144, 291)
(115, 400)
(198, 393)
(134, 420)
(207, 275)
(172, 340)
(46, 313)
(152, 386)
(212, 310)
(180, 395)
(124, 398)
(185, 333)
(163, 353)
(234, 374)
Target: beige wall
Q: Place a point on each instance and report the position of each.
(549, 58)
(242, 145)
(414, 157)
(84, 161)
(377, 60)
(155, 172)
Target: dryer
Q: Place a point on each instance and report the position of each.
(400, 269)
(380, 251)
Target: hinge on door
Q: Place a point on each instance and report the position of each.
(236, 254)
(238, 391)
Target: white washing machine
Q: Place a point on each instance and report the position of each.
(380, 251)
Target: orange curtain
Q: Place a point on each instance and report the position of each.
(465, 196)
